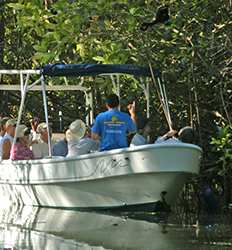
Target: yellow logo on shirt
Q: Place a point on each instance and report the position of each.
(114, 118)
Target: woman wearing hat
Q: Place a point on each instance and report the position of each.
(78, 142)
(20, 150)
(7, 140)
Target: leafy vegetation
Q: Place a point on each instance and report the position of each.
(193, 51)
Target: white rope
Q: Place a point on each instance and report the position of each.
(165, 103)
(163, 97)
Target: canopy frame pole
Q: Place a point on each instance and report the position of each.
(167, 105)
(23, 97)
(116, 86)
(146, 91)
(91, 107)
(46, 113)
(33, 84)
(89, 103)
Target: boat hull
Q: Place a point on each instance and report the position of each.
(102, 180)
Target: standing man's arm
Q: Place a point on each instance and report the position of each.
(95, 130)
(131, 109)
(95, 136)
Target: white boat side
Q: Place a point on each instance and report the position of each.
(113, 178)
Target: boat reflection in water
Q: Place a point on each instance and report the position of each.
(42, 228)
(54, 229)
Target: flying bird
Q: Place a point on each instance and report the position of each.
(162, 16)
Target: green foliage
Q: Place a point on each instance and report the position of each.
(193, 51)
(222, 145)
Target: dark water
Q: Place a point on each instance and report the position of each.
(48, 229)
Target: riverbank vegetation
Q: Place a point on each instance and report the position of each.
(193, 50)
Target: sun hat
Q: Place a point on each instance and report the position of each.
(42, 126)
(76, 130)
(3, 121)
(11, 122)
(20, 131)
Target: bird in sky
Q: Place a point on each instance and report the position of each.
(162, 16)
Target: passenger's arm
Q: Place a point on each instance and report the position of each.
(95, 136)
(6, 147)
(169, 134)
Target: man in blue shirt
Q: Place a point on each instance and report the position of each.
(112, 126)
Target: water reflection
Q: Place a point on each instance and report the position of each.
(48, 229)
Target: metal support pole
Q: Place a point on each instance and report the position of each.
(146, 91)
(87, 118)
(46, 114)
(23, 97)
(60, 120)
(116, 86)
(148, 99)
(91, 107)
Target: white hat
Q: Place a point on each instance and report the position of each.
(20, 131)
(42, 126)
(11, 122)
(76, 130)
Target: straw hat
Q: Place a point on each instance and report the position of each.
(4, 120)
(42, 126)
(11, 122)
(20, 131)
(76, 130)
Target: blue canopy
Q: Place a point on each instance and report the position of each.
(95, 69)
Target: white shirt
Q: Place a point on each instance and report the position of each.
(4, 138)
(40, 150)
(83, 146)
(172, 140)
(138, 140)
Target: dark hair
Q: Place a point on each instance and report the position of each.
(112, 101)
(186, 134)
(141, 122)
(27, 131)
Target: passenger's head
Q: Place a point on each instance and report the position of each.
(3, 125)
(76, 130)
(10, 126)
(112, 101)
(42, 129)
(22, 134)
(186, 134)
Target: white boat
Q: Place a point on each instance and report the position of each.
(117, 178)
(131, 176)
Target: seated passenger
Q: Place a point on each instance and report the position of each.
(3, 126)
(60, 148)
(143, 131)
(20, 150)
(7, 140)
(78, 143)
(40, 146)
(185, 135)
(34, 125)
